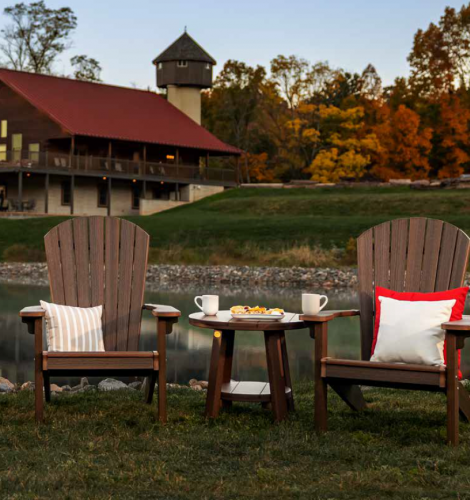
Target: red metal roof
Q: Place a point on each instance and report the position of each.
(99, 110)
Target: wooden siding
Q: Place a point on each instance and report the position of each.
(194, 74)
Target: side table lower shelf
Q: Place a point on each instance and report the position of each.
(249, 392)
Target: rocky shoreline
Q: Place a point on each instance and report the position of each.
(108, 384)
(176, 277)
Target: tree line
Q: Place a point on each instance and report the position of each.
(313, 121)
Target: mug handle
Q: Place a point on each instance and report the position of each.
(196, 302)
(326, 301)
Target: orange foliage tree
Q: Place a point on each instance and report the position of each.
(404, 145)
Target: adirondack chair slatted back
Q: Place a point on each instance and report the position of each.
(101, 261)
(408, 255)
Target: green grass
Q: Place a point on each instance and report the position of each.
(260, 226)
(102, 445)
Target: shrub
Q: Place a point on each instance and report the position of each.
(23, 253)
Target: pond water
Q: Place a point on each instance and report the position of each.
(189, 347)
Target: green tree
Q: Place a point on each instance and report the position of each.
(86, 68)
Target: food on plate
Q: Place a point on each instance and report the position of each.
(256, 310)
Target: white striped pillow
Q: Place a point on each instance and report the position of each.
(76, 329)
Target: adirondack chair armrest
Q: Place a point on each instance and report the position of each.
(325, 316)
(461, 328)
(32, 312)
(163, 312)
(32, 316)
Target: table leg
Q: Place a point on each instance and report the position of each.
(287, 379)
(230, 339)
(216, 372)
(276, 374)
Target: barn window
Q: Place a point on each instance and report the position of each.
(102, 195)
(34, 152)
(160, 66)
(66, 193)
(208, 66)
(135, 197)
(4, 129)
(182, 64)
(3, 152)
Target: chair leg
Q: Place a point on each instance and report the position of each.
(47, 387)
(38, 395)
(38, 373)
(452, 390)
(351, 395)
(162, 416)
(321, 387)
(464, 402)
(150, 388)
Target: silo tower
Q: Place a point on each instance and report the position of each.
(184, 69)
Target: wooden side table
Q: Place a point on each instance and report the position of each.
(222, 389)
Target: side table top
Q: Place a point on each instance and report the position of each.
(224, 321)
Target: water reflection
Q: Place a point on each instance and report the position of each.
(189, 347)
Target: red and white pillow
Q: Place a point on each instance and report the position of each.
(401, 329)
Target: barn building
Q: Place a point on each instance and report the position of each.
(73, 147)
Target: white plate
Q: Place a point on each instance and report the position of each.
(257, 317)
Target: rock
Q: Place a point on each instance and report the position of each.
(75, 388)
(196, 387)
(144, 385)
(137, 385)
(192, 382)
(66, 388)
(88, 388)
(56, 388)
(27, 386)
(6, 385)
(204, 384)
(110, 384)
(400, 182)
(84, 382)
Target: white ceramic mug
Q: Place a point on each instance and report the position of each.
(209, 304)
(311, 303)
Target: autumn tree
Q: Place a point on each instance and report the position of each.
(36, 36)
(440, 58)
(344, 152)
(404, 145)
(451, 140)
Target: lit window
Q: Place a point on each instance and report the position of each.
(102, 195)
(34, 152)
(182, 64)
(3, 152)
(17, 146)
(160, 66)
(4, 129)
(208, 66)
(170, 157)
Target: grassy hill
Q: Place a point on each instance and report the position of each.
(266, 226)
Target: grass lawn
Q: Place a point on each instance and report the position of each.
(261, 226)
(103, 446)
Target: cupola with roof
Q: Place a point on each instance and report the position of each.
(184, 69)
(184, 63)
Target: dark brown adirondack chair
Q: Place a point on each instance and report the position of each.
(412, 255)
(101, 261)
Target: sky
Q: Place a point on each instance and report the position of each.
(126, 35)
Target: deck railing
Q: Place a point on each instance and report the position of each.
(98, 165)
